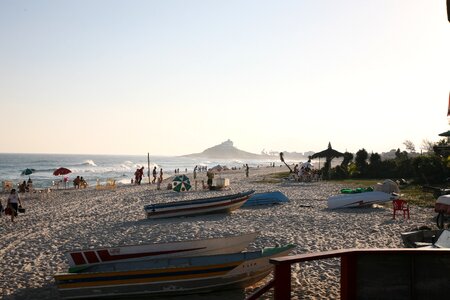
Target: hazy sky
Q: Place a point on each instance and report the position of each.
(176, 77)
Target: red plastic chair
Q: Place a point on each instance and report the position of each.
(402, 206)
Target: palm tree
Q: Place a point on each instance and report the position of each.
(282, 159)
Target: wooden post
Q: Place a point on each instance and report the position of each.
(282, 286)
(148, 167)
(348, 276)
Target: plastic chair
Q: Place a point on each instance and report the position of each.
(7, 185)
(402, 206)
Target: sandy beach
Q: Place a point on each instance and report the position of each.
(32, 249)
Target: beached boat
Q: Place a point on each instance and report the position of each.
(268, 198)
(221, 204)
(80, 259)
(420, 238)
(186, 275)
(427, 239)
(360, 199)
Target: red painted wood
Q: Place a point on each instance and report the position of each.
(78, 258)
(348, 276)
(282, 286)
(91, 257)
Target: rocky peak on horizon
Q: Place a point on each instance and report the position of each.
(225, 150)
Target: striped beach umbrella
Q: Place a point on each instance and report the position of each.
(181, 183)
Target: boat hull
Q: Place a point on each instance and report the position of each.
(359, 199)
(266, 199)
(83, 258)
(214, 205)
(168, 277)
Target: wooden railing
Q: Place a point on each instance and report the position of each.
(374, 273)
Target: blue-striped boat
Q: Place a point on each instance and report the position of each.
(220, 204)
(186, 275)
(268, 198)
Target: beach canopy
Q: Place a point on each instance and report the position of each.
(28, 171)
(61, 171)
(217, 168)
(447, 133)
(181, 183)
(328, 153)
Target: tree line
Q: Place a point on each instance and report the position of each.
(432, 167)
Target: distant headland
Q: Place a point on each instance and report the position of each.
(227, 150)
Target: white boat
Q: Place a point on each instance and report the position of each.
(80, 259)
(182, 275)
(360, 199)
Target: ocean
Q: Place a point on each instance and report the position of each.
(101, 167)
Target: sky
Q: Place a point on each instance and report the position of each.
(177, 77)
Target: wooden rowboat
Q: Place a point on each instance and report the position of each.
(82, 258)
(183, 275)
(221, 204)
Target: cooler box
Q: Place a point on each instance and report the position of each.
(221, 182)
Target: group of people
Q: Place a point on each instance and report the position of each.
(26, 186)
(138, 175)
(306, 173)
(79, 182)
(157, 179)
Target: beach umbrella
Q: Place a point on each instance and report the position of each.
(181, 183)
(28, 171)
(61, 171)
(328, 153)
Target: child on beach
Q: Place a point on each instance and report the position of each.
(158, 184)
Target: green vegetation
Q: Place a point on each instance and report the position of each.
(413, 193)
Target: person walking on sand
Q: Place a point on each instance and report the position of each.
(246, 170)
(155, 173)
(141, 174)
(195, 172)
(13, 203)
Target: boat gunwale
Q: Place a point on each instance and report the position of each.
(198, 201)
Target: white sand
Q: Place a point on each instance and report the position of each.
(32, 249)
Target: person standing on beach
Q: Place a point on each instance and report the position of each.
(155, 173)
(195, 172)
(161, 174)
(210, 176)
(141, 174)
(246, 170)
(13, 203)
